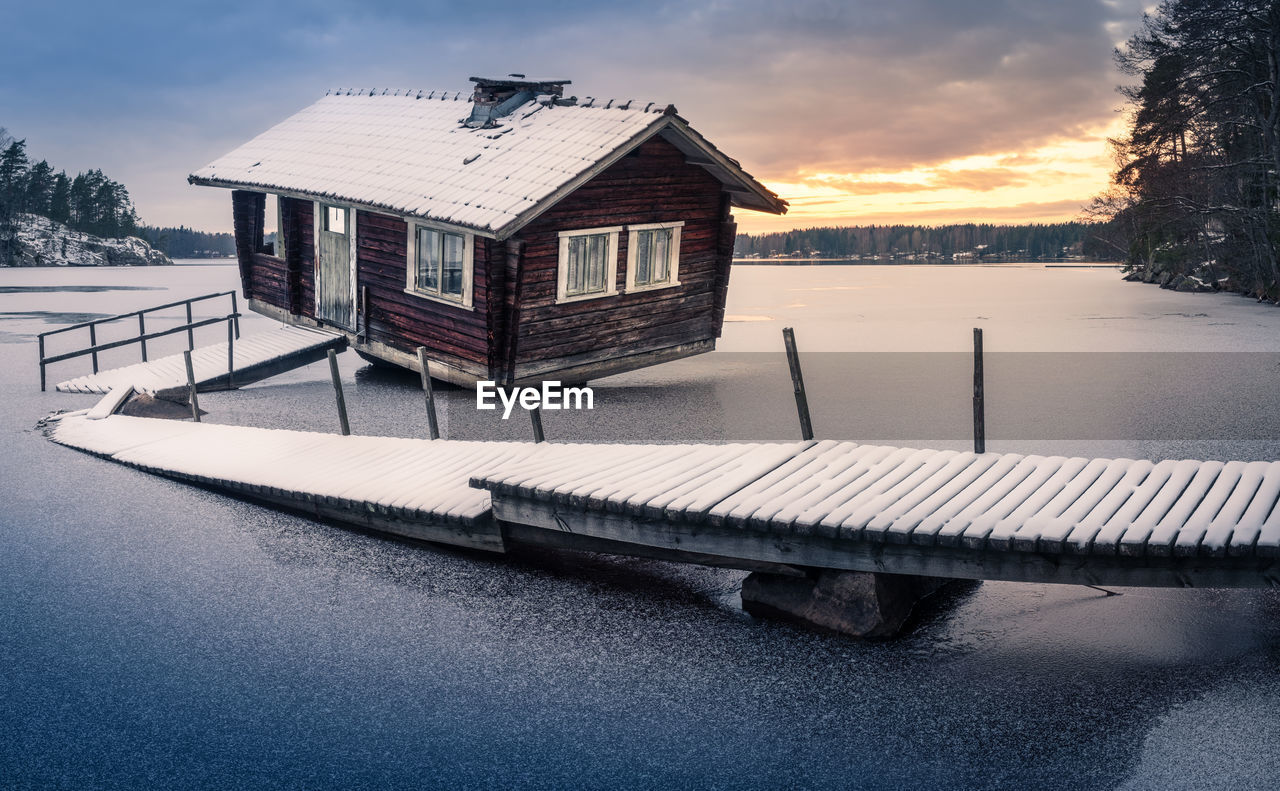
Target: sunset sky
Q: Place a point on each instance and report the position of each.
(914, 111)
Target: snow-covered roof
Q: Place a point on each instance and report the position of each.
(408, 153)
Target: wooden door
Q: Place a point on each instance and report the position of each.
(335, 266)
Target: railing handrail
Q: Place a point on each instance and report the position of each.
(149, 336)
(232, 319)
(144, 311)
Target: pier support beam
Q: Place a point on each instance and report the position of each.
(856, 603)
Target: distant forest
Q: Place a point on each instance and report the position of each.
(946, 242)
(89, 202)
(183, 242)
(1196, 191)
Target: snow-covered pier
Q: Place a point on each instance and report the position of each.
(780, 507)
(217, 366)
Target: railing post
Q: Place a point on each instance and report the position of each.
(337, 391)
(797, 383)
(432, 425)
(142, 333)
(979, 397)
(40, 339)
(231, 356)
(191, 386)
(93, 341)
(191, 334)
(235, 311)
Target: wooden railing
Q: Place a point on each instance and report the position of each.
(232, 319)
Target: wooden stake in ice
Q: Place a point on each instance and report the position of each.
(337, 392)
(797, 382)
(979, 398)
(432, 425)
(191, 386)
(535, 417)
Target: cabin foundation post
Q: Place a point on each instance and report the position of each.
(433, 425)
(854, 603)
(191, 383)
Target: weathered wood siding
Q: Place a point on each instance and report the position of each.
(247, 220)
(653, 184)
(405, 321)
(284, 282)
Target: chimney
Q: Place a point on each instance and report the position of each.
(498, 97)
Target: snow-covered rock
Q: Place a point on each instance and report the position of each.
(43, 242)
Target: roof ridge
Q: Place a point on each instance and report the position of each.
(417, 94)
(592, 102)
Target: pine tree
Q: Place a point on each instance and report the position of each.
(39, 189)
(60, 198)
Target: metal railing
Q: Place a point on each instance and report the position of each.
(233, 332)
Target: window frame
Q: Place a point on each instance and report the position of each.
(281, 250)
(326, 208)
(465, 299)
(673, 270)
(610, 266)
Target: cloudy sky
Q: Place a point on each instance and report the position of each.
(915, 111)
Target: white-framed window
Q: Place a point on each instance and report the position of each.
(588, 264)
(653, 256)
(335, 219)
(440, 264)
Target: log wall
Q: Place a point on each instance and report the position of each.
(652, 184)
(405, 321)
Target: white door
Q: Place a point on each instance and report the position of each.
(335, 266)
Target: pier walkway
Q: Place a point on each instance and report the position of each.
(780, 507)
(252, 358)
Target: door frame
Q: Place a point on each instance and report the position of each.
(317, 216)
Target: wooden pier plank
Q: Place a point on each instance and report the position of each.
(1245, 536)
(1064, 533)
(1073, 503)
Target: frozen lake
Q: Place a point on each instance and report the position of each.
(158, 635)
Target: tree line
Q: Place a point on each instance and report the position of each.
(184, 242)
(1195, 189)
(89, 201)
(977, 240)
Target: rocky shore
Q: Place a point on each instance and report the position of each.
(1201, 279)
(43, 242)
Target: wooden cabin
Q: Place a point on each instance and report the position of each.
(517, 234)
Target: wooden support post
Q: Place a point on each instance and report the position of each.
(432, 425)
(535, 417)
(191, 334)
(191, 386)
(40, 338)
(93, 341)
(797, 382)
(979, 403)
(231, 356)
(364, 312)
(337, 391)
(142, 332)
